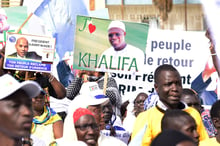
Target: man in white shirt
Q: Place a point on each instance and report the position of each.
(120, 56)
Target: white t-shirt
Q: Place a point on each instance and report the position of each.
(129, 59)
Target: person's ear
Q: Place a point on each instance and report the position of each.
(216, 122)
(124, 33)
(156, 87)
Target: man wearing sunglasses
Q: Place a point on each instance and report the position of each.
(120, 56)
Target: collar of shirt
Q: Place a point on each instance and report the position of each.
(21, 57)
(162, 107)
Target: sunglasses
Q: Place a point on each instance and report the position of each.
(112, 34)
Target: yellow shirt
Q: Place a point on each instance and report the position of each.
(209, 142)
(152, 118)
(44, 128)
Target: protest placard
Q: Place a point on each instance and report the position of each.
(10, 20)
(188, 51)
(29, 52)
(97, 49)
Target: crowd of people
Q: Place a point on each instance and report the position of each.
(96, 115)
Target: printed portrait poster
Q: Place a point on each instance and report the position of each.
(11, 19)
(187, 51)
(95, 48)
(29, 52)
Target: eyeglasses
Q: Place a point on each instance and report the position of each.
(112, 34)
(87, 126)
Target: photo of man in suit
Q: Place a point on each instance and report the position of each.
(22, 50)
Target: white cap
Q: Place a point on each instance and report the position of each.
(92, 93)
(117, 24)
(9, 85)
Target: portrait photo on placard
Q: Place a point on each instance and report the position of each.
(29, 52)
(109, 45)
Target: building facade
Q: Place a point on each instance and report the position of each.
(184, 15)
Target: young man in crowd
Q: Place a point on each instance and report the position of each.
(16, 110)
(168, 85)
(215, 116)
(181, 121)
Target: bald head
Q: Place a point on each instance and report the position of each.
(21, 46)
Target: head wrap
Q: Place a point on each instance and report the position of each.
(81, 112)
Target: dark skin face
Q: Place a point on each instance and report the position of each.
(169, 88)
(116, 38)
(139, 103)
(216, 123)
(186, 125)
(97, 112)
(16, 113)
(89, 132)
(38, 104)
(107, 111)
(193, 101)
(189, 127)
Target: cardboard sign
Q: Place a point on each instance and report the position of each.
(10, 20)
(29, 53)
(93, 39)
(188, 51)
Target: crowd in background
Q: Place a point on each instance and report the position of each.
(37, 109)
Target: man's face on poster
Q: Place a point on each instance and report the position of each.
(22, 47)
(116, 37)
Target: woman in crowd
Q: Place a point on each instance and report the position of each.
(87, 129)
(136, 106)
(47, 124)
(93, 76)
(88, 99)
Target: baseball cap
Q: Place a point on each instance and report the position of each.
(93, 94)
(9, 85)
(117, 24)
